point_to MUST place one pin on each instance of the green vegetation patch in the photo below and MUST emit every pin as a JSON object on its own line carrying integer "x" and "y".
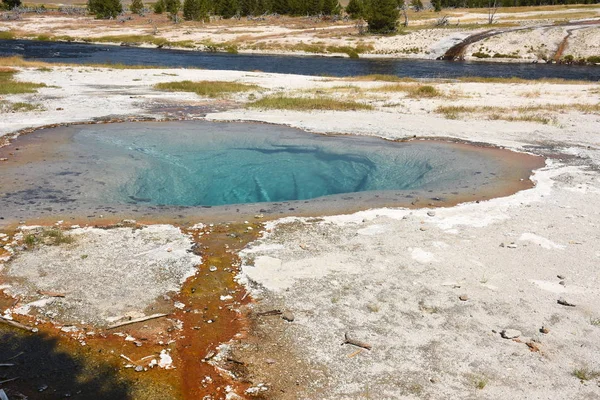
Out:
{"x": 206, "y": 88}
{"x": 280, "y": 102}
{"x": 49, "y": 237}
{"x": 9, "y": 86}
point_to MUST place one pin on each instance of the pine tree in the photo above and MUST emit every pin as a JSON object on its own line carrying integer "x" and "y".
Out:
{"x": 437, "y": 5}
{"x": 355, "y": 9}
{"x": 172, "y": 6}
{"x": 159, "y": 7}
{"x": 229, "y": 8}
{"x": 10, "y": 4}
{"x": 195, "y": 10}
{"x": 280, "y": 7}
{"x": 383, "y": 16}
{"x": 136, "y": 7}
{"x": 105, "y": 8}
{"x": 330, "y": 7}
{"x": 314, "y": 7}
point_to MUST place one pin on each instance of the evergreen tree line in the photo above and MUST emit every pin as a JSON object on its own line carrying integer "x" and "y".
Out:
{"x": 201, "y": 9}
{"x": 510, "y": 3}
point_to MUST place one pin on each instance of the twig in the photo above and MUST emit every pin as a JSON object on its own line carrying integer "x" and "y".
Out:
{"x": 136, "y": 320}
{"x": 269, "y": 313}
{"x": 8, "y": 380}
{"x": 17, "y": 355}
{"x": 15, "y": 324}
{"x": 50, "y": 294}
{"x": 564, "y": 302}
{"x": 357, "y": 343}
{"x": 7, "y": 365}
{"x": 357, "y": 352}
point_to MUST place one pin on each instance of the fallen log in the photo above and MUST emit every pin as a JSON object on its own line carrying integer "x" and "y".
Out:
{"x": 136, "y": 320}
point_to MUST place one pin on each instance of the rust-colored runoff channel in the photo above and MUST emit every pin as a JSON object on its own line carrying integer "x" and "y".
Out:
{"x": 93, "y": 363}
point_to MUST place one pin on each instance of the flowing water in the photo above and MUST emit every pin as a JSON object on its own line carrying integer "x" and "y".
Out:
{"x": 80, "y": 53}
{"x": 177, "y": 167}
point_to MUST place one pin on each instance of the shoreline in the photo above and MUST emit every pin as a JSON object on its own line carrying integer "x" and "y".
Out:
{"x": 365, "y": 56}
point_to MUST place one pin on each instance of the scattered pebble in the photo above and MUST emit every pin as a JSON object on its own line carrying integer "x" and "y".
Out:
{"x": 510, "y": 333}
{"x": 212, "y": 268}
{"x": 431, "y": 213}
{"x": 463, "y": 297}
{"x": 561, "y": 277}
{"x": 544, "y": 330}
{"x": 288, "y": 316}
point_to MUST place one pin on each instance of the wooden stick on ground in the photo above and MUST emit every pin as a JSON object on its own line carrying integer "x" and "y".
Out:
{"x": 8, "y": 380}
{"x": 136, "y": 320}
{"x": 16, "y": 324}
{"x": 357, "y": 343}
{"x": 269, "y": 313}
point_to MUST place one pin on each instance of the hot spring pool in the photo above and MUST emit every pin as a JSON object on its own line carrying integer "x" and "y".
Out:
{"x": 145, "y": 167}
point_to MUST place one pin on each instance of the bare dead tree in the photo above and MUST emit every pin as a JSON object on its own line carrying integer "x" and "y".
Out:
{"x": 492, "y": 10}
{"x": 405, "y": 14}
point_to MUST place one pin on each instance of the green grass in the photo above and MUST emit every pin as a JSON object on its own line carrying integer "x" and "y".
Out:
{"x": 595, "y": 321}
{"x": 206, "y": 88}
{"x": 556, "y": 81}
{"x": 280, "y": 102}
{"x": 50, "y": 237}
{"x": 412, "y": 91}
{"x": 585, "y": 374}
{"x": 6, "y": 106}
{"x": 6, "y": 35}
{"x": 381, "y": 78}
{"x": 541, "y": 113}
{"x": 9, "y": 86}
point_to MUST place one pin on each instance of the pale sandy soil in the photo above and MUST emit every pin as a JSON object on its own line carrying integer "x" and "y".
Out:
{"x": 393, "y": 277}
{"x": 292, "y": 35}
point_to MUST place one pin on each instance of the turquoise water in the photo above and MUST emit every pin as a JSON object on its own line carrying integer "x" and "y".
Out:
{"x": 153, "y": 168}
{"x": 212, "y": 164}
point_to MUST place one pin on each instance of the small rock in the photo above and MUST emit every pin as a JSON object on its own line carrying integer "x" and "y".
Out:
{"x": 544, "y": 330}
{"x": 561, "y": 277}
{"x": 564, "y": 302}
{"x": 431, "y": 213}
{"x": 303, "y": 246}
{"x": 463, "y": 297}
{"x": 288, "y": 316}
{"x": 510, "y": 333}
{"x": 512, "y": 246}
{"x": 42, "y": 388}
{"x": 139, "y": 368}
{"x": 562, "y": 283}
{"x": 3, "y": 159}
{"x": 270, "y": 361}
{"x": 212, "y": 268}
{"x": 423, "y": 228}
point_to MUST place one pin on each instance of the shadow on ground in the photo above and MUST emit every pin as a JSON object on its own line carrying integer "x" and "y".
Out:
{"x": 44, "y": 371}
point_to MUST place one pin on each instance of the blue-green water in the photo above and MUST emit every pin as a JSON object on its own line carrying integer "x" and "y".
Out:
{"x": 137, "y": 167}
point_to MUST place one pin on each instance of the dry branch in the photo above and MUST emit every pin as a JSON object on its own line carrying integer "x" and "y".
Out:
{"x": 16, "y": 324}
{"x": 136, "y": 320}
{"x": 357, "y": 343}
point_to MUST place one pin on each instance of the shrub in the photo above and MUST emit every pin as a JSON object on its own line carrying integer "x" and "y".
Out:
{"x": 105, "y": 8}
{"x": 355, "y": 9}
{"x": 10, "y": 4}
{"x": 159, "y": 7}
{"x": 594, "y": 60}
{"x": 383, "y": 16}
{"x": 137, "y": 7}
{"x": 481, "y": 54}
